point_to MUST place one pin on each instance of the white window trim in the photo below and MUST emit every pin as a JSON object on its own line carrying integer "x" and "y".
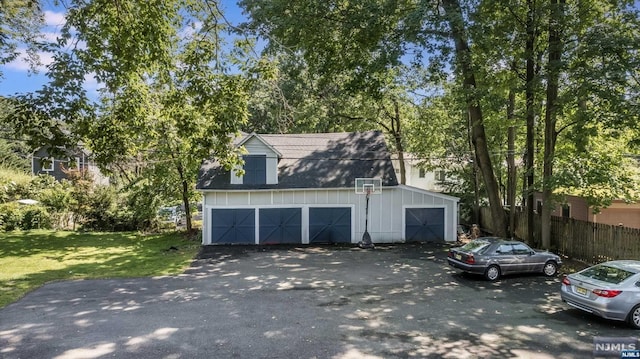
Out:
{"x": 51, "y": 166}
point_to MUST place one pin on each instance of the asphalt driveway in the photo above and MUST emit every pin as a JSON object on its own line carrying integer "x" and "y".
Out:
{"x": 398, "y": 301}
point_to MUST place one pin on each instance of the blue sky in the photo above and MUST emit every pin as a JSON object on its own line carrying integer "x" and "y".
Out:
{"x": 17, "y": 76}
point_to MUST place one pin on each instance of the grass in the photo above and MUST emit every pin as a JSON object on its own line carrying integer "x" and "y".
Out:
{"x": 31, "y": 259}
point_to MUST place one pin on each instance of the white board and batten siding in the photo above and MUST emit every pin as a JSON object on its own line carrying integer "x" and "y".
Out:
{"x": 386, "y": 210}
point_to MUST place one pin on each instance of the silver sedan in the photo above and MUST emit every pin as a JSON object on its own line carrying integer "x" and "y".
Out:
{"x": 610, "y": 290}
{"x": 493, "y": 257}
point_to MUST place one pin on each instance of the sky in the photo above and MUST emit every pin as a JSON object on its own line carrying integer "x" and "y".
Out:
{"x": 19, "y": 78}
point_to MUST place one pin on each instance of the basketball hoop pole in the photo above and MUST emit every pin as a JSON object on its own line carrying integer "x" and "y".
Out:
{"x": 366, "y": 237}
{"x": 367, "y": 186}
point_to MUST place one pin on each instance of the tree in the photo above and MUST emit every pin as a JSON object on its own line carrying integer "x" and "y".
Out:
{"x": 298, "y": 100}
{"x": 588, "y": 67}
{"x": 478, "y": 135}
{"x": 20, "y": 22}
{"x": 167, "y": 96}
{"x": 14, "y": 151}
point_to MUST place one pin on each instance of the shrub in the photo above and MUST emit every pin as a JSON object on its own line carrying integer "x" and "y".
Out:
{"x": 15, "y": 216}
{"x": 10, "y": 216}
{"x": 35, "y": 217}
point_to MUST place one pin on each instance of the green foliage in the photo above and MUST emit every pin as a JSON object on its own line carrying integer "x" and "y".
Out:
{"x": 172, "y": 95}
{"x": 600, "y": 170}
{"x": 12, "y": 157}
{"x": 78, "y": 201}
{"x": 169, "y": 97}
{"x": 15, "y": 153}
{"x": 10, "y": 216}
{"x": 14, "y": 185}
{"x": 16, "y": 216}
{"x": 35, "y": 217}
{"x": 109, "y": 210}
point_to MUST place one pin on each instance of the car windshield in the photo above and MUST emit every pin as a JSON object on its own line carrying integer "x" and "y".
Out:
{"x": 607, "y": 274}
{"x": 475, "y": 246}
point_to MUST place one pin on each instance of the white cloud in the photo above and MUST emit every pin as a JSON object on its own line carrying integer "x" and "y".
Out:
{"x": 21, "y": 63}
{"x": 55, "y": 19}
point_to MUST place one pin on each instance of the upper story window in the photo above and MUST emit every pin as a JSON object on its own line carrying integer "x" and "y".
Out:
{"x": 566, "y": 211}
{"x": 255, "y": 169}
{"x": 47, "y": 164}
{"x": 441, "y": 176}
{"x": 421, "y": 173}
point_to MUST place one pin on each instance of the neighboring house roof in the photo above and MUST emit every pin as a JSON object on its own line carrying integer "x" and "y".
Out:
{"x": 61, "y": 151}
{"x": 320, "y": 160}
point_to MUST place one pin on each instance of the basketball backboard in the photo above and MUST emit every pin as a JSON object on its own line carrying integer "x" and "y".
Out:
{"x": 368, "y": 185}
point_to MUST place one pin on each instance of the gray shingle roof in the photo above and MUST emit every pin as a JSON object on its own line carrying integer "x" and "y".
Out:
{"x": 320, "y": 160}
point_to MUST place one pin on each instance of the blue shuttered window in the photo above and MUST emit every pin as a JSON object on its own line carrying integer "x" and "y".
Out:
{"x": 255, "y": 169}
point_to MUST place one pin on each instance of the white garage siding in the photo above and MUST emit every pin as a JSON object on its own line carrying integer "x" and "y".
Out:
{"x": 386, "y": 210}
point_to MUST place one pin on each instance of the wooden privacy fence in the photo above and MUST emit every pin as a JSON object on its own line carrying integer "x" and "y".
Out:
{"x": 585, "y": 241}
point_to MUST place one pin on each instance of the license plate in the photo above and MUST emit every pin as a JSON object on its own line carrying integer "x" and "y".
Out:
{"x": 581, "y": 290}
{"x": 458, "y": 257}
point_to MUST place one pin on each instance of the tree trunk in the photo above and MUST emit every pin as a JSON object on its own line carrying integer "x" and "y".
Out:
{"x": 550, "y": 119}
{"x": 474, "y": 173}
{"x": 397, "y": 135}
{"x": 512, "y": 175}
{"x": 395, "y": 129}
{"x": 530, "y": 101}
{"x": 478, "y": 136}
{"x": 185, "y": 198}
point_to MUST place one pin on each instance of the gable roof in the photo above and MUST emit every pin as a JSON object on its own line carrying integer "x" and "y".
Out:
{"x": 261, "y": 139}
{"x": 319, "y": 160}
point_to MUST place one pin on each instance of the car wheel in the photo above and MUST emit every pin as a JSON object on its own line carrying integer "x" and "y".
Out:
{"x": 634, "y": 317}
{"x": 492, "y": 273}
{"x": 550, "y": 269}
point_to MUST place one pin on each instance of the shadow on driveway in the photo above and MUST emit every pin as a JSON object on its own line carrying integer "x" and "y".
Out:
{"x": 397, "y": 301}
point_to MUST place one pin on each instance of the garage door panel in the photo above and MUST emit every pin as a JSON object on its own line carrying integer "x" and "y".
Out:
{"x": 424, "y": 224}
{"x": 330, "y": 225}
{"x": 280, "y": 225}
{"x": 233, "y": 226}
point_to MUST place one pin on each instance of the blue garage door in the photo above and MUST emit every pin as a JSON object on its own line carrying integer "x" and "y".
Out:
{"x": 424, "y": 224}
{"x": 330, "y": 225}
{"x": 233, "y": 226}
{"x": 280, "y": 225}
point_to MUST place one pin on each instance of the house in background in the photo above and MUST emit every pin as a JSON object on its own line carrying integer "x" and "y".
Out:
{"x": 58, "y": 163}
{"x": 417, "y": 176}
{"x": 300, "y": 188}
{"x": 619, "y": 213}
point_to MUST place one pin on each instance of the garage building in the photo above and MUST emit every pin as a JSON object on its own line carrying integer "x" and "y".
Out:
{"x": 300, "y": 189}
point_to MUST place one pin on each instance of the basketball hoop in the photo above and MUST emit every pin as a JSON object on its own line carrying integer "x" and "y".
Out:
{"x": 367, "y": 186}
{"x": 370, "y": 185}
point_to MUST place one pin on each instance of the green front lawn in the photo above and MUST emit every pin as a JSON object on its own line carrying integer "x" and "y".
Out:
{"x": 30, "y": 259}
